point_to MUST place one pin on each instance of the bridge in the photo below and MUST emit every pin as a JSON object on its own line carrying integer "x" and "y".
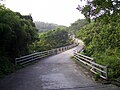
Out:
{"x": 56, "y": 72}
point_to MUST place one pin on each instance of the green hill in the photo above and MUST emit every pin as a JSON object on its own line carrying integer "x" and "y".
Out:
{"x": 43, "y": 27}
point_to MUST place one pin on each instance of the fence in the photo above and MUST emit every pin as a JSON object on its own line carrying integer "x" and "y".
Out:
{"x": 95, "y": 68}
{"x": 35, "y": 56}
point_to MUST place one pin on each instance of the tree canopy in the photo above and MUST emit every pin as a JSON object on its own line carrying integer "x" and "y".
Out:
{"x": 53, "y": 39}
{"x": 74, "y": 28}
{"x": 100, "y": 8}
{"x": 101, "y": 35}
{"x": 17, "y": 34}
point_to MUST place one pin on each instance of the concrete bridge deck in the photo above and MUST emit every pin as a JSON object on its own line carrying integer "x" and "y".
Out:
{"x": 57, "y": 72}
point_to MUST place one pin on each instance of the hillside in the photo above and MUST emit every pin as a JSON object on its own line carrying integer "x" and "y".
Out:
{"x": 43, "y": 27}
{"x": 75, "y": 27}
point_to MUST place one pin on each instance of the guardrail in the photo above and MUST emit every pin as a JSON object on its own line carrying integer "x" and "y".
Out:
{"x": 35, "y": 56}
{"x": 95, "y": 68}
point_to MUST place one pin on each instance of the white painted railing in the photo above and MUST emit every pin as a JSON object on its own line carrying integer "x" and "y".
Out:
{"x": 95, "y": 68}
{"x": 35, "y": 56}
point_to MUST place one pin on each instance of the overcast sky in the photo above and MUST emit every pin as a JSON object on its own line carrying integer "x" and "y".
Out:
{"x": 62, "y": 12}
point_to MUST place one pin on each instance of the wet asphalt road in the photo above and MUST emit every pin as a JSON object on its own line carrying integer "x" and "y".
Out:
{"x": 57, "y": 72}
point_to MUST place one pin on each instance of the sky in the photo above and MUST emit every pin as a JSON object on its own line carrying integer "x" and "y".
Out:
{"x": 61, "y": 12}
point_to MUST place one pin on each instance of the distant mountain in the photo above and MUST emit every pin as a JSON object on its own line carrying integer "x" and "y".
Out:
{"x": 43, "y": 27}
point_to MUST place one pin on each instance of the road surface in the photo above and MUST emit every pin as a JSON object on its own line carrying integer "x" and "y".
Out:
{"x": 57, "y": 72}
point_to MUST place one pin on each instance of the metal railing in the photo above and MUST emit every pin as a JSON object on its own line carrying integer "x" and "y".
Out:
{"x": 35, "y": 56}
{"x": 95, "y": 68}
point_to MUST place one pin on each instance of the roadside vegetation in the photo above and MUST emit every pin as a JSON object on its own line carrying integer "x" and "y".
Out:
{"x": 52, "y": 39}
{"x": 102, "y": 35}
{"x": 102, "y": 42}
{"x": 100, "y": 32}
{"x": 19, "y": 36}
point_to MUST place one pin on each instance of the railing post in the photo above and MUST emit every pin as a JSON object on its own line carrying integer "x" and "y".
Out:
{"x": 55, "y": 51}
{"x": 15, "y": 61}
{"x": 74, "y": 52}
{"x": 49, "y": 53}
{"x": 52, "y": 52}
{"x": 67, "y": 47}
{"x": 58, "y": 50}
{"x": 32, "y": 58}
{"x": 107, "y": 72}
{"x": 40, "y": 54}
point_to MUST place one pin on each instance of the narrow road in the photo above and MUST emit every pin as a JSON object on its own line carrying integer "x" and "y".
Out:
{"x": 57, "y": 72}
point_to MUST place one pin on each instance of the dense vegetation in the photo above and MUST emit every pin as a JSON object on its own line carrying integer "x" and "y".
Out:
{"x": 52, "y": 39}
{"x": 19, "y": 36}
{"x": 102, "y": 35}
{"x": 76, "y": 26}
{"x": 43, "y": 27}
{"x": 100, "y": 32}
{"x": 17, "y": 33}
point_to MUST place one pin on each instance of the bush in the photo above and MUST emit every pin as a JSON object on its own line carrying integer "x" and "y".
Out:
{"x": 6, "y": 66}
{"x": 102, "y": 43}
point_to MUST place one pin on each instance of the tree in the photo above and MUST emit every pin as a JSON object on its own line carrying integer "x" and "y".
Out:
{"x": 77, "y": 25}
{"x": 16, "y": 34}
{"x": 98, "y": 8}
{"x": 101, "y": 37}
{"x": 53, "y": 39}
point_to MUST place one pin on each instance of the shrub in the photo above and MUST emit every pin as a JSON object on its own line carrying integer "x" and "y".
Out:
{"x": 6, "y": 66}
